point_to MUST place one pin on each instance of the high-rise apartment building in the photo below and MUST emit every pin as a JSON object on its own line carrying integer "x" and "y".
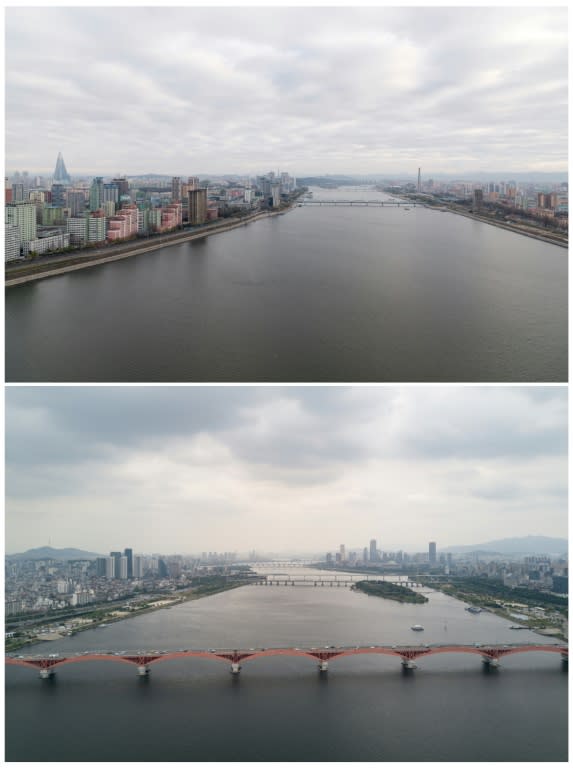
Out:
{"x": 176, "y": 189}
{"x": 197, "y": 206}
{"x": 110, "y": 567}
{"x": 123, "y": 567}
{"x": 137, "y": 567}
{"x": 17, "y": 193}
{"x": 23, "y": 215}
{"x": 11, "y": 242}
{"x": 129, "y": 555}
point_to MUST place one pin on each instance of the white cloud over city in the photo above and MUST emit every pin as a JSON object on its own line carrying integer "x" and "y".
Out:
{"x": 282, "y": 469}
{"x": 309, "y": 90}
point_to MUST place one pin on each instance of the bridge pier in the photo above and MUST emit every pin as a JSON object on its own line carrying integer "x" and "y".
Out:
{"x": 143, "y": 670}
{"x": 409, "y": 664}
{"x": 46, "y": 673}
{"x": 235, "y": 668}
{"x": 565, "y": 658}
{"x": 323, "y": 666}
{"x": 491, "y": 662}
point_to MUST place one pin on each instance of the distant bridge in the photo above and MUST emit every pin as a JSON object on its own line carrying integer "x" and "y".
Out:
{"x": 362, "y": 203}
{"x": 285, "y": 580}
{"x": 490, "y": 654}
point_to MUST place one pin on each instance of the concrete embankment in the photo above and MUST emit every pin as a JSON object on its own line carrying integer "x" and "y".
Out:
{"x": 137, "y": 249}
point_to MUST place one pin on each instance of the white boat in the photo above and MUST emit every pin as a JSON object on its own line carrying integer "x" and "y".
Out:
{"x": 418, "y": 628}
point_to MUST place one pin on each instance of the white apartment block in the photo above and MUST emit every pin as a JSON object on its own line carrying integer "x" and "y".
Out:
{"x": 11, "y": 242}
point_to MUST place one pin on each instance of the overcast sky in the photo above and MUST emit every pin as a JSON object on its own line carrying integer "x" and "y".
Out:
{"x": 188, "y": 469}
{"x": 307, "y": 90}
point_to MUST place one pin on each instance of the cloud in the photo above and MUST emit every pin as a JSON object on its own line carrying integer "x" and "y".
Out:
{"x": 282, "y": 467}
{"x": 178, "y": 90}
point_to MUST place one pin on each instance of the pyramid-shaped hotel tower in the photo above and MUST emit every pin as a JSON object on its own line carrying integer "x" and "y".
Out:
{"x": 61, "y": 175}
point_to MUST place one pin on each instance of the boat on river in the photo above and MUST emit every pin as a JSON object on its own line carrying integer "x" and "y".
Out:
{"x": 418, "y": 628}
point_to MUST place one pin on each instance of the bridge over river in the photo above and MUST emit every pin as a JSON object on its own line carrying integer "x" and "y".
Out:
{"x": 286, "y": 580}
{"x": 142, "y": 660}
{"x": 362, "y": 203}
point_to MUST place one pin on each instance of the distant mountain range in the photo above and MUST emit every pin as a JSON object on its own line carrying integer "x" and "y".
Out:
{"x": 45, "y": 553}
{"x": 526, "y": 545}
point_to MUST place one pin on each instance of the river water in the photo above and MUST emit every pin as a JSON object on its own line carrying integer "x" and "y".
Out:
{"x": 316, "y": 294}
{"x": 452, "y": 708}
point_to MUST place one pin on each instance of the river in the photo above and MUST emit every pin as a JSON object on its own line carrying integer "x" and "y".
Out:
{"x": 317, "y": 294}
{"x": 452, "y": 708}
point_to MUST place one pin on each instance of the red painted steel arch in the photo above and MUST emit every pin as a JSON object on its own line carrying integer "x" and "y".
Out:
{"x": 409, "y": 653}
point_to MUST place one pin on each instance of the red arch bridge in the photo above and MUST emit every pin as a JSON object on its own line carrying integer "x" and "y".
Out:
{"x": 408, "y": 654}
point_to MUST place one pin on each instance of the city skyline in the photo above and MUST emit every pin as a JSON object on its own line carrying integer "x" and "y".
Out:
{"x": 275, "y": 469}
{"x": 456, "y": 89}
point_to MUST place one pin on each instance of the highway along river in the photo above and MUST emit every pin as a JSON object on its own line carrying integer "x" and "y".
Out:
{"x": 317, "y": 294}
{"x": 451, "y": 708}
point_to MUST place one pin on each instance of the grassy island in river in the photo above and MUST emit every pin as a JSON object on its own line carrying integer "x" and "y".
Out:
{"x": 390, "y": 591}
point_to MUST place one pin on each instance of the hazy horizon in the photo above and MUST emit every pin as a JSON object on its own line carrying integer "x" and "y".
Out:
{"x": 307, "y": 90}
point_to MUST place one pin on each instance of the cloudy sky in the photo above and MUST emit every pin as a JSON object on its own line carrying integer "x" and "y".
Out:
{"x": 187, "y": 469}
{"x": 308, "y": 90}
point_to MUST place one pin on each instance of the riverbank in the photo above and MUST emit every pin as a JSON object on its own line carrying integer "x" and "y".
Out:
{"x": 104, "y": 617}
{"x": 523, "y": 613}
{"x": 546, "y": 238}
{"x": 62, "y": 266}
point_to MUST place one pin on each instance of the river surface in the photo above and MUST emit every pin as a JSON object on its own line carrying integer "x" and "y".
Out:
{"x": 365, "y": 708}
{"x": 317, "y": 294}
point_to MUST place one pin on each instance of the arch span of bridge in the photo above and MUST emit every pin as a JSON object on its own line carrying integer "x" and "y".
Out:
{"x": 408, "y": 654}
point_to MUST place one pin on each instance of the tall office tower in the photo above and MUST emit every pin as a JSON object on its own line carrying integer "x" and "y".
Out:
{"x": 365, "y": 555}
{"x": 17, "y": 193}
{"x": 432, "y": 552}
{"x": 342, "y": 553}
{"x": 419, "y": 179}
{"x": 176, "y": 189}
{"x": 110, "y": 567}
{"x": 59, "y": 195}
{"x": 23, "y": 215}
{"x": 193, "y": 182}
{"x": 197, "y": 206}
{"x": 373, "y": 551}
{"x": 96, "y": 193}
{"x": 129, "y": 555}
{"x": 11, "y": 242}
{"x": 61, "y": 175}
{"x": 478, "y": 199}
{"x": 122, "y": 185}
{"x": 76, "y": 202}
{"x": 101, "y": 566}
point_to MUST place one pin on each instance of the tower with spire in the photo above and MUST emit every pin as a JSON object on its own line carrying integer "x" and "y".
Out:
{"x": 61, "y": 175}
